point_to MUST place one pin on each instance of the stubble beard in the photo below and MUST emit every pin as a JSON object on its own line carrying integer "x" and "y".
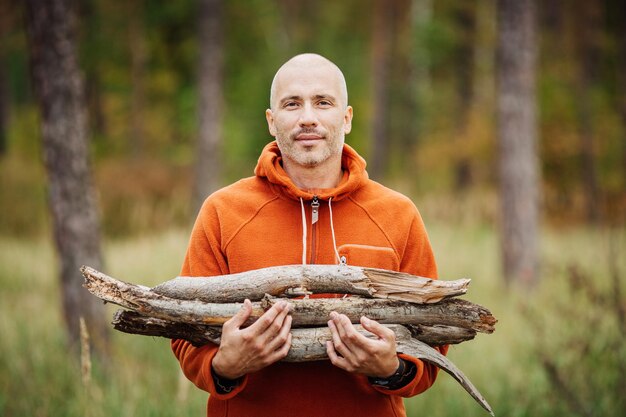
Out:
{"x": 310, "y": 156}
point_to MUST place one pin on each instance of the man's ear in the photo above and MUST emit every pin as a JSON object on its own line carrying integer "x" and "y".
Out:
{"x": 347, "y": 120}
{"x": 269, "y": 116}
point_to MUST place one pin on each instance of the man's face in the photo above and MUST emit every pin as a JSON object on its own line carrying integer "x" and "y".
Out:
{"x": 309, "y": 117}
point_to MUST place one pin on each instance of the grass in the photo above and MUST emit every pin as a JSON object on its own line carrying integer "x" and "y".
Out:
{"x": 38, "y": 377}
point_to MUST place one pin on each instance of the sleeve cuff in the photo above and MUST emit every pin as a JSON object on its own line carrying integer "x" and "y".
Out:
{"x": 216, "y": 384}
{"x": 407, "y": 385}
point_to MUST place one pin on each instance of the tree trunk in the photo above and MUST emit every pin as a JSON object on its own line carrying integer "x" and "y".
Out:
{"x": 91, "y": 27}
{"x": 517, "y": 132}
{"x": 589, "y": 21}
{"x": 4, "y": 104}
{"x": 6, "y": 13}
{"x": 59, "y": 88}
{"x": 210, "y": 80}
{"x": 138, "y": 62}
{"x": 621, "y": 74}
{"x": 382, "y": 34}
{"x": 465, "y": 18}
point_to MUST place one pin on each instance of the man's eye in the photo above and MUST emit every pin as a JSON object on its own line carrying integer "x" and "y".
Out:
{"x": 291, "y": 104}
{"x": 324, "y": 103}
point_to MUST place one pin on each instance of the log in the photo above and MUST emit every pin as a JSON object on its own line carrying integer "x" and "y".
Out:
{"x": 200, "y": 334}
{"x": 302, "y": 280}
{"x": 308, "y": 344}
{"x": 305, "y": 312}
{"x": 186, "y": 308}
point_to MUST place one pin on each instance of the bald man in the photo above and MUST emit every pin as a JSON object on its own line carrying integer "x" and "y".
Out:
{"x": 310, "y": 201}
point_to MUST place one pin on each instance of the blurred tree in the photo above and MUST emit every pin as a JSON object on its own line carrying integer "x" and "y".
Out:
{"x": 588, "y": 21}
{"x": 138, "y": 62}
{"x": 621, "y": 73}
{"x": 59, "y": 89}
{"x": 465, "y": 19}
{"x": 4, "y": 82}
{"x": 382, "y": 36}
{"x": 90, "y": 34}
{"x": 517, "y": 133}
{"x": 211, "y": 101}
{"x": 405, "y": 111}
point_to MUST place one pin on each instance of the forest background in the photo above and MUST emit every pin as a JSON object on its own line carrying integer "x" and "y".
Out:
{"x": 422, "y": 79}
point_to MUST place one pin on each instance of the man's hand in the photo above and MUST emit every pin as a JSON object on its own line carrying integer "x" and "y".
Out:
{"x": 353, "y": 352}
{"x": 247, "y": 350}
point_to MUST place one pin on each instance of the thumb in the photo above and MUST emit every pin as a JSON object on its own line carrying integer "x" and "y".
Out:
{"x": 377, "y": 328}
{"x": 242, "y": 315}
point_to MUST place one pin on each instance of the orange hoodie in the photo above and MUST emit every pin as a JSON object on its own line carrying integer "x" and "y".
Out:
{"x": 258, "y": 222}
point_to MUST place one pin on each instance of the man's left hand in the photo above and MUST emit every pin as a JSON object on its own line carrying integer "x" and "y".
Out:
{"x": 353, "y": 352}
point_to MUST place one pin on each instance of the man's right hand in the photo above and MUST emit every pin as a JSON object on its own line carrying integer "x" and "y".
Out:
{"x": 261, "y": 344}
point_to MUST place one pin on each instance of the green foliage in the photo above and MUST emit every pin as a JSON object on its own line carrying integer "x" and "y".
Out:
{"x": 141, "y": 377}
{"x": 258, "y": 37}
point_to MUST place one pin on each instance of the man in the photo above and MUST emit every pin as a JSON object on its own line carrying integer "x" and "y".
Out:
{"x": 310, "y": 201}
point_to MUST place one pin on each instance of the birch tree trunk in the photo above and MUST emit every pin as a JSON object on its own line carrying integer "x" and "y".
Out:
{"x": 210, "y": 103}
{"x": 59, "y": 89}
{"x": 517, "y": 134}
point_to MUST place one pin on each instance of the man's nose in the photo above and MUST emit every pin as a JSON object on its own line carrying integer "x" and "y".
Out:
{"x": 308, "y": 117}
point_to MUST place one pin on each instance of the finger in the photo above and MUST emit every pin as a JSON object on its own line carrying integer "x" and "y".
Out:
{"x": 242, "y": 315}
{"x": 266, "y": 320}
{"x": 281, "y": 338}
{"x": 283, "y": 351}
{"x": 338, "y": 343}
{"x": 348, "y": 333}
{"x": 378, "y": 329}
{"x": 335, "y": 359}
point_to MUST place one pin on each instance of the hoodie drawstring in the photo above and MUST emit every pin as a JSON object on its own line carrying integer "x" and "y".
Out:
{"x": 340, "y": 259}
{"x": 303, "y": 232}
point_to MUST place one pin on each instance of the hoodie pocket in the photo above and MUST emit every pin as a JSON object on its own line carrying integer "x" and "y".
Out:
{"x": 370, "y": 256}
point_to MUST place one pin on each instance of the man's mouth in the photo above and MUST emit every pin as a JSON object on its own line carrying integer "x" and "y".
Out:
{"x": 308, "y": 137}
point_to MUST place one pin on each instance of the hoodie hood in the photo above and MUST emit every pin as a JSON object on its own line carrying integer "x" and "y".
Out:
{"x": 270, "y": 166}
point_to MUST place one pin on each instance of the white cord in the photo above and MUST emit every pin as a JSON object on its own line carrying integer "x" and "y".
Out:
{"x": 303, "y": 232}
{"x": 332, "y": 230}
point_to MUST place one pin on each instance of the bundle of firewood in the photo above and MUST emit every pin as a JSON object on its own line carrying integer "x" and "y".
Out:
{"x": 421, "y": 311}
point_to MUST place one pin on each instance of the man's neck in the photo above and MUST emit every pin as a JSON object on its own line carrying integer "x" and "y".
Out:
{"x": 327, "y": 175}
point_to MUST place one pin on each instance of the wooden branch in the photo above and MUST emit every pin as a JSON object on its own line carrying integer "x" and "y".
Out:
{"x": 308, "y": 344}
{"x": 186, "y": 307}
{"x": 200, "y": 334}
{"x": 305, "y": 312}
{"x": 297, "y": 280}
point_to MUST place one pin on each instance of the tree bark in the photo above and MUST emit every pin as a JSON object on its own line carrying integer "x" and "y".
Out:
{"x": 517, "y": 132}
{"x": 211, "y": 102}
{"x": 155, "y": 313}
{"x": 59, "y": 88}
{"x": 302, "y": 280}
{"x": 308, "y": 344}
{"x": 305, "y": 312}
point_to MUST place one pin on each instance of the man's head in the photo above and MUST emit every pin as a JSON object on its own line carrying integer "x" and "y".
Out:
{"x": 309, "y": 113}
